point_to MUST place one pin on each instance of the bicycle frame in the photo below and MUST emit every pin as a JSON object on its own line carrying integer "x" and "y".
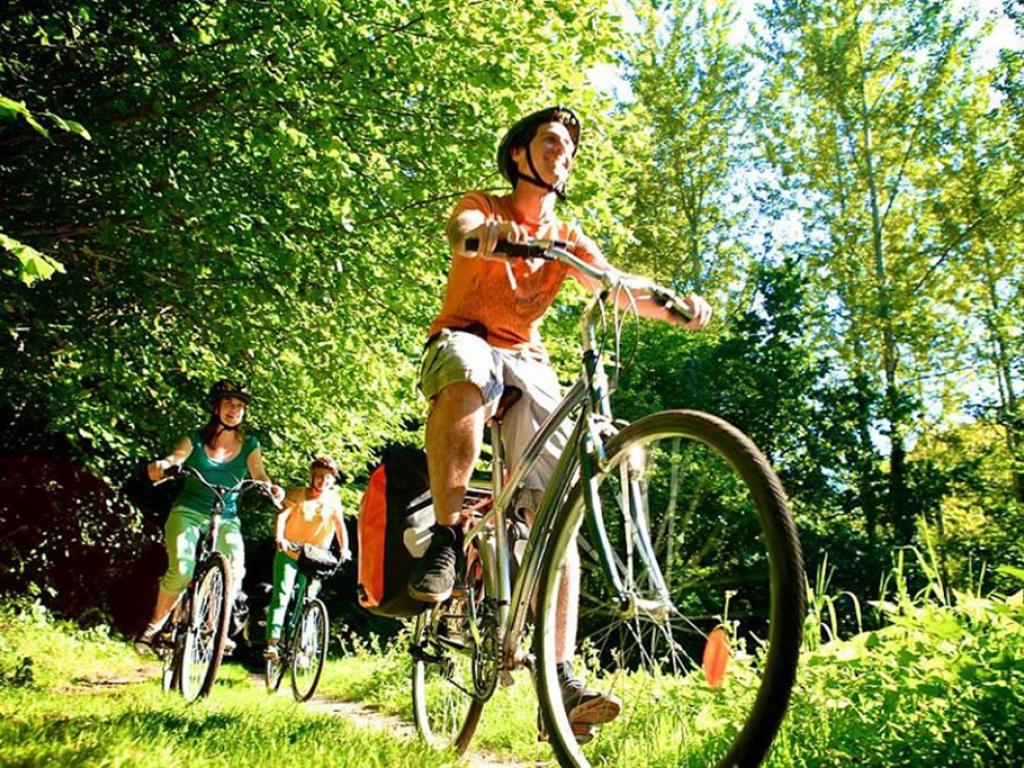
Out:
{"x": 584, "y": 458}
{"x": 208, "y": 543}
{"x": 304, "y": 585}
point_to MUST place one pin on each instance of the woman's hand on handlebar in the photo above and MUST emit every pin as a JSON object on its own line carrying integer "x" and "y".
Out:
{"x": 275, "y": 492}
{"x": 162, "y": 469}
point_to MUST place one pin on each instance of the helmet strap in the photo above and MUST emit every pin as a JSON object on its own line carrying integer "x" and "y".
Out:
{"x": 221, "y": 426}
{"x": 536, "y": 179}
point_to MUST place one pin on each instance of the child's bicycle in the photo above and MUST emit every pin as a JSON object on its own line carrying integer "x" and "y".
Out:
{"x": 192, "y": 642}
{"x": 656, "y": 511}
{"x": 305, "y": 632}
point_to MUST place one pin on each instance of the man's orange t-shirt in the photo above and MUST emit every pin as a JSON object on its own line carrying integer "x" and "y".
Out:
{"x": 310, "y": 521}
{"x": 479, "y": 291}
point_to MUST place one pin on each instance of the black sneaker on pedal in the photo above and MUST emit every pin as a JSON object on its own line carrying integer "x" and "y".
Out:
{"x": 433, "y": 575}
{"x": 585, "y": 707}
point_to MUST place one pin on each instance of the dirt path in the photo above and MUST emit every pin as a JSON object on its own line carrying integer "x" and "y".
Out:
{"x": 93, "y": 683}
{"x": 372, "y": 719}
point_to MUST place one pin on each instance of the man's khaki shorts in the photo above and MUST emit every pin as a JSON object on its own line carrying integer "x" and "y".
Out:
{"x": 456, "y": 356}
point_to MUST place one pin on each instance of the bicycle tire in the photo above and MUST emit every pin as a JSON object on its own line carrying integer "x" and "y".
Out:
{"x": 171, "y": 672}
{"x": 637, "y": 459}
{"x": 207, "y": 627}
{"x": 445, "y": 715}
{"x": 309, "y": 649}
{"x": 273, "y": 672}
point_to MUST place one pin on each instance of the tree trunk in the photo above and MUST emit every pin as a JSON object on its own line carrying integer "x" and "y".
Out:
{"x": 897, "y": 453}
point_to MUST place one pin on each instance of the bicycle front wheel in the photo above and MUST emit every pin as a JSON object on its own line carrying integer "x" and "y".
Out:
{"x": 309, "y": 649}
{"x": 691, "y": 600}
{"x": 207, "y": 628}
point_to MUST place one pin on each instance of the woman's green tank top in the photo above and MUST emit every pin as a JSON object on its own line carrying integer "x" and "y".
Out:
{"x": 197, "y": 497}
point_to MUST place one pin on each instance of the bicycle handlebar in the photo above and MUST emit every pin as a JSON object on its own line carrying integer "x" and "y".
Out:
{"x": 221, "y": 491}
{"x": 294, "y": 546}
{"x": 559, "y": 250}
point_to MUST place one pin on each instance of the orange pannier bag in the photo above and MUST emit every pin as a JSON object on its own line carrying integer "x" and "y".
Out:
{"x": 395, "y": 516}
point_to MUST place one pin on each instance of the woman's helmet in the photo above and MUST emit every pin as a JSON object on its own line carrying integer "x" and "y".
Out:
{"x": 324, "y": 462}
{"x": 227, "y": 388}
{"x": 522, "y": 133}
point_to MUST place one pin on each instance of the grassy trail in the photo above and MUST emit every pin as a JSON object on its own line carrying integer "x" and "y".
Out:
{"x": 73, "y": 698}
{"x": 940, "y": 685}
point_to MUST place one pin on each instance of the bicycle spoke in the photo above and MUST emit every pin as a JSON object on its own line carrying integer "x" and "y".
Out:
{"x": 199, "y": 660}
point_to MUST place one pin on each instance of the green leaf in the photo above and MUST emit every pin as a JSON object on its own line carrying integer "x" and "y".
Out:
{"x": 70, "y": 126}
{"x": 33, "y": 264}
{"x": 11, "y": 107}
{"x": 1012, "y": 571}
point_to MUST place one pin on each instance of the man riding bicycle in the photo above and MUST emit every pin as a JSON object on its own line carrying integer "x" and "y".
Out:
{"x": 487, "y": 337}
{"x": 223, "y": 454}
{"x": 310, "y": 516}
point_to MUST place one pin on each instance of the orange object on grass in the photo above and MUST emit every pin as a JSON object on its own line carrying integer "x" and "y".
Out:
{"x": 716, "y": 657}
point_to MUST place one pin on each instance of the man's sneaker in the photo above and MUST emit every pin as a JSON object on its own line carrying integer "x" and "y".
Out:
{"x": 584, "y": 733}
{"x": 229, "y": 646}
{"x": 583, "y": 705}
{"x": 271, "y": 653}
{"x": 433, "y": 576}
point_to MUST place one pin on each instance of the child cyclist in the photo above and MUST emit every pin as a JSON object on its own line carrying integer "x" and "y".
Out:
{"x": 310, "y": 516}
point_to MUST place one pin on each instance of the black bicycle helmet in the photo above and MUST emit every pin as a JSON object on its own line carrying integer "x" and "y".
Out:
{"x": 227, "y": 388}
{"x": 522, "y": 133}
{"x": 324, "y": 462}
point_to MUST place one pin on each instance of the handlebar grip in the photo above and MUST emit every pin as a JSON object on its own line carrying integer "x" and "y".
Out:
{"x": 672, "y": 303}
{"x": 173, "y": 472}
{"x": 519, "y": 250}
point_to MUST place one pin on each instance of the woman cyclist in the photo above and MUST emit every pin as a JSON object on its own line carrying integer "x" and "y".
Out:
{"x": 223, "y": 453}
{"x": 311, "y": 516}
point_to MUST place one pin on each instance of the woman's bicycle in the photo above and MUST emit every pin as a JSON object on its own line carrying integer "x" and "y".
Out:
{"x": 690, "y": 564}
{"x": 305, "y": 632}
{"x": 192, "y": 642}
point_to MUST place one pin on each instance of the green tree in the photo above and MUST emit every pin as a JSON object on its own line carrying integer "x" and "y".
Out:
{"x": 265, "y": 196}
{"x": 32, "y": 265}
{"x": 855, "y": 104}
{"x": 690, "y": 84}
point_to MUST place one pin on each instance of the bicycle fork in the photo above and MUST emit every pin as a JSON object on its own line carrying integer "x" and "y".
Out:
{"x": 637, "y": 538}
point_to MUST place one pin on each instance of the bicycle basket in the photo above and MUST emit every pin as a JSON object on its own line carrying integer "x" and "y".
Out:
{"x": 317, "y": 562}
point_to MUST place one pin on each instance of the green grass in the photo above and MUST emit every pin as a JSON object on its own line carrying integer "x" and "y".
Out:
{"x": 941, "y": 685}
{"x": 381, "y": 678}
{"x": 57, "y": 714}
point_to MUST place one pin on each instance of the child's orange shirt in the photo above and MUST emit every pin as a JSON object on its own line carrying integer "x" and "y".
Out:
{"x": 311, "y": 521}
